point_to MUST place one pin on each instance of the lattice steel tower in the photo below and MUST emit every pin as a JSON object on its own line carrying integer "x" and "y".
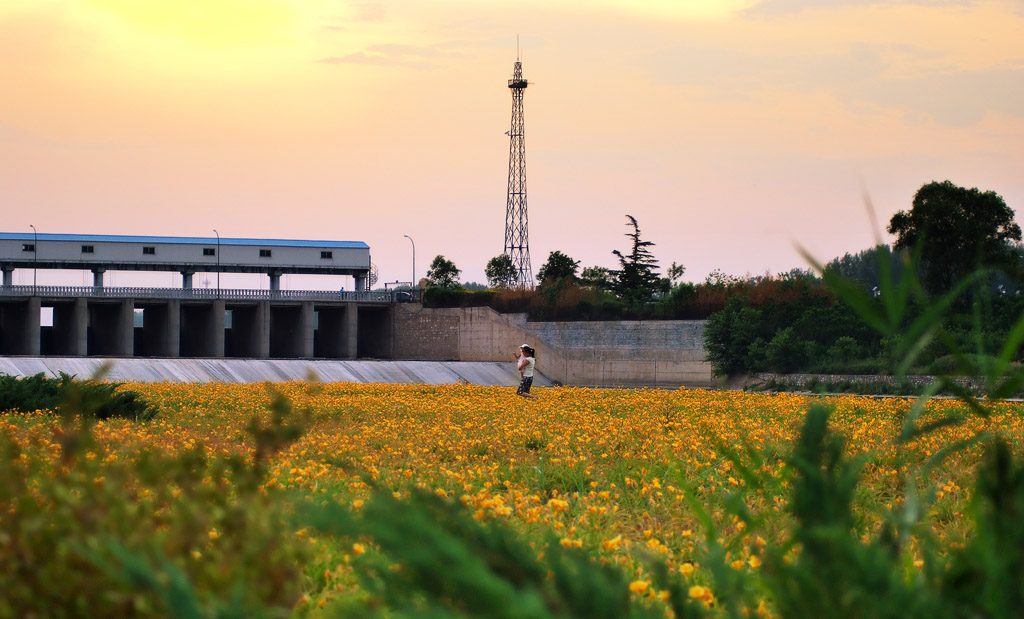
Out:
{"x": 517, "y": 238}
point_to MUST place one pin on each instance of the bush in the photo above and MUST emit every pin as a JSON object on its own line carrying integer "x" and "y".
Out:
{"x": 787, "y": 352}
{"x": 680, "y": 303}
{"x": 439, "y": 296}
{"x": 93, "y": 398}
{"x": 844, "y": 349}
{"x": 612, "y": 309}
{"x": 728, "y": 335}
{"x": 28, "y": 394}
{"x": 805, "y": 324}
{"x": 757, "y": 354}
{"x": 569, "y": 299}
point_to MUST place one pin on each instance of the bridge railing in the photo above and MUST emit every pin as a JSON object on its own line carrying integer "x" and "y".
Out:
{"x": 227, "y": 294}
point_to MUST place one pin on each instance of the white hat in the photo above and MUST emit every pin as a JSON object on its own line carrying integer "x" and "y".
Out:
{"x": 525, "y": 346}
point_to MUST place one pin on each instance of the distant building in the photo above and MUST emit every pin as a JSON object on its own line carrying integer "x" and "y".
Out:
{"x": 186, "y": 255}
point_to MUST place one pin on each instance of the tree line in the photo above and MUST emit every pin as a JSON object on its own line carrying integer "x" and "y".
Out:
{"x": 564, "y": 291}
{"x": 636, "y": 279}
{"x": 789, "y": 322}
{"x": 954, "y": 244}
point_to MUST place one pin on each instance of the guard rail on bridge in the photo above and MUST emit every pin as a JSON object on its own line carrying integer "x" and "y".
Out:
{"x": 388, "y": 296}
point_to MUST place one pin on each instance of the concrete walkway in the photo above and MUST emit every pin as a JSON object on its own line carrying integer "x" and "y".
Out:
{"x": 273, "y": 370}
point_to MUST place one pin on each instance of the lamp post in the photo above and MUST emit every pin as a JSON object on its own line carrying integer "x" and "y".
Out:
{"x": 413, "y": 283}
{"x": 35, "y": 256}
{"x": 218, "y": 261}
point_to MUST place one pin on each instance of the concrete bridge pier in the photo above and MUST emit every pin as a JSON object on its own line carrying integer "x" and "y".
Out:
{"x": 71, "y": 328}
{"x": 250, "y": 330}
{"x": 19, "y": 327}
{"x": 307, "y": 326}
{"x": 350, "y": 339}
{"x": 8, "y": 276}
{"x": 97, "y": 277}
{"x": 113, "y": 328}
{"x": 186, "y": 278}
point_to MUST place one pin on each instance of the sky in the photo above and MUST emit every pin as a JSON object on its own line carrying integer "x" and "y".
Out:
{"x": 734, "y": 131}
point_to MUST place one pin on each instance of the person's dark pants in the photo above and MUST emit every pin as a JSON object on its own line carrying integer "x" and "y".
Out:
{"x": 524, "y": 386}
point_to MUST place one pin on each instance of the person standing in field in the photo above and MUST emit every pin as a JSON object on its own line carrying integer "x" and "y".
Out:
{"x": 527, "y": 358}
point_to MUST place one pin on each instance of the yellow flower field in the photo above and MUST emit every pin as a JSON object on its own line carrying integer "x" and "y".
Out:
{"x": 612, "y": 471}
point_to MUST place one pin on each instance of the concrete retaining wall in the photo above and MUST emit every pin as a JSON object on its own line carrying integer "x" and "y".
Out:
{"x": 661, "y": 353}
{"x": 803, "y": 381}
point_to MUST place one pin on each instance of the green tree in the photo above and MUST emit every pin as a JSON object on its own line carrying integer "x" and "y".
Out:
{"x": 729, "y": 335}
{"x": 443, "y": 273}
{"x": 957, "y": 230}
{"x": 675, "y": 273}
{"x": 557, "y": 268}
{"x": 500, "y": 272}
{"x": 596, "y": 277}
{"x": 720, "y": 279}
{"x": 787, "y": 352}
{"x": 636, "y": 279}
{"x": 865, "y": 267}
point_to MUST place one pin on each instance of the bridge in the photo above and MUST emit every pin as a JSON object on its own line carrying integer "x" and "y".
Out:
{"x": 190, "y": 322}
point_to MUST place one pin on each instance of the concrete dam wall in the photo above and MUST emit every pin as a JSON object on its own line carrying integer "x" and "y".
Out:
{"x": 655, "y": 353}
{"x": 396, "y": 336}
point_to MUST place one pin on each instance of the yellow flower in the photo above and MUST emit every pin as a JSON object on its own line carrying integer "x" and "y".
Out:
{"x": 612, "y": 544}
{"x": 639, "y": 586}
{"x": 686, "y": 569}
{"x": 558, "y": 505}
{"x": 358, "y": 548}
{"x": 754, "y": 562}
{"x": 703, "y": 594}
{"x": 214, "y": 533}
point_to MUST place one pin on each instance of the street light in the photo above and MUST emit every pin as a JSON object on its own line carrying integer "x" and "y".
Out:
{"x": 218, "y": 261}
{"x": 413, "y": 283}
{"x": 35, "y": 257}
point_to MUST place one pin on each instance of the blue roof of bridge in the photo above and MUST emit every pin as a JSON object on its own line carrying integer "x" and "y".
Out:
{"x": 188, "y": 240}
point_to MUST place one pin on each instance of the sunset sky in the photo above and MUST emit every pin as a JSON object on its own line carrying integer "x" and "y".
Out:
{"x": 733, "y": 130}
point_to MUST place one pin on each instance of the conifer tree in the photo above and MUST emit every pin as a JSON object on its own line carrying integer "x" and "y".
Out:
{"x": 636, "y": 280}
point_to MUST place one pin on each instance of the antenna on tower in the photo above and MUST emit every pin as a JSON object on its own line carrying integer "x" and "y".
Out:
{"x": 517, "y": 244}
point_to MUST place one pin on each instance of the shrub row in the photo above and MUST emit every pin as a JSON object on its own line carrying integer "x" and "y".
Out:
{"x": 571, "y": 300}
{"x": 97, "y": 399}
{"x": 815, "y": 334}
